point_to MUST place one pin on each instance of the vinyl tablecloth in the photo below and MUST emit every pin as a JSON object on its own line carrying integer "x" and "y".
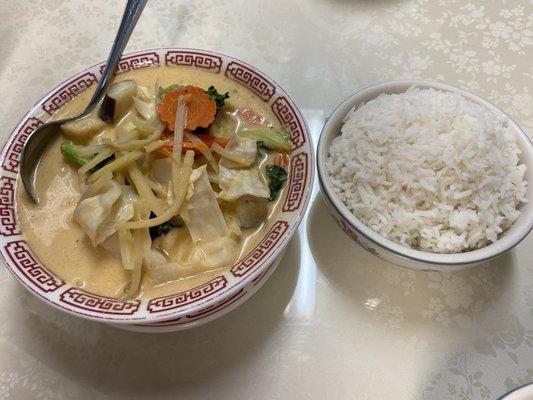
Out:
{"x": 333, "y": 321}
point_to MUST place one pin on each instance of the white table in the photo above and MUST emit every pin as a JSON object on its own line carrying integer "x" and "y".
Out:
{"x": 333, "y": 321}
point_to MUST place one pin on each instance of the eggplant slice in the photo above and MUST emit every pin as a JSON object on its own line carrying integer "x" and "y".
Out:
{"x": 117, "y": 101}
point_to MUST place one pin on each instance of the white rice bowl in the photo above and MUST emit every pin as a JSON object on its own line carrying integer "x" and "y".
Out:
{"x": 429, "y": 169}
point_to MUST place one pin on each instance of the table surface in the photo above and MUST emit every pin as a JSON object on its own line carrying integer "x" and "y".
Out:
{"x": 333, "y": 321}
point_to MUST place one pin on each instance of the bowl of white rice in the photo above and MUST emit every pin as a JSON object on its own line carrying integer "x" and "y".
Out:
{"x": 426, "y": 176}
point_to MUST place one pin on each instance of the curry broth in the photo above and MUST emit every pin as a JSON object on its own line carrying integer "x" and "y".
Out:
{"x": 60, "y": 243}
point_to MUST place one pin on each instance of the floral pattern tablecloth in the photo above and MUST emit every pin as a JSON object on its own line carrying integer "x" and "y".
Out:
{"x": 333, "y": 320}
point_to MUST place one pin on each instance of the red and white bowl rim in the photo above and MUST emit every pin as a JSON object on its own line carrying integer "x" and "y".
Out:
{"x": 34, "y": 276}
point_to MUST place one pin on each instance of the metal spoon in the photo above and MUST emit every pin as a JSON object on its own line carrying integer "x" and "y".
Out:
{"x": 37, "y": 141}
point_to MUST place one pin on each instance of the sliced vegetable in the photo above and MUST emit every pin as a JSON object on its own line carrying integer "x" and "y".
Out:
{"x": 91, "y": 212}
{"x": 141, "y": 242}
{"x": 112, "y": 245}
{"x": 176, "y": 244}
{"x": 122, "y": 211}
{"x": 237, "y": 182}
{"x": 101, "y": 164}
{"x": 175, "y": 207}
{"x": 144, "y": 126}
{"x": 135, "y": 138}
{"x": 217, "y": 252}
{"x": 244, "y": 148}
{"x": 117, "y": 100}
{"x": 83, "y": 129}
{"x": 158, "y": 189}
{"x": 95, "y": 161}
{"x": 155, "y": 145}
{"x": 201, "y": 109}
{"x": 161, "y": 169}
{"x": 146, "y": 109}
{"x": 140, "y": 181}
{"x": 126, "y": 128}
{"x": 96, "y": 187}
{"x": 205, "y": 150}
{"x": 202, "y": 213}
{"x": 144, "y": 93}
{"x": 151, "y": 257}
{"x": 234, "y": 157}
{"x": 206, "y": 141}
{"x": 162, "y": 91}
{"x": 117, "y": 164}
{"x": 198, "y": 257}
{"x": 125, "y": 240}
{"x": 251, "y": 211}
{"x": 219, "y": 99}
{"x": 274, "y": 140}
{"x": 72, "y": 153}
{"x": 179, "y": 129}
{"x": 277, "y": 177}
{"x": 225, "y": 124}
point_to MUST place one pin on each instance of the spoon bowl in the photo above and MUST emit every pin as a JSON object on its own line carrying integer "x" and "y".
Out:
{"x": 38, "y": 139}
{"x": 34, "y": 147}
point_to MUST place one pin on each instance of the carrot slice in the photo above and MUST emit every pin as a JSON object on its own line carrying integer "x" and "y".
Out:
{"x": 201, "y": 109}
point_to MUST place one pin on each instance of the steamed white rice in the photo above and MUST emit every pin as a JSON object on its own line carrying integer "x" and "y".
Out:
{"x": 429, "y": 169}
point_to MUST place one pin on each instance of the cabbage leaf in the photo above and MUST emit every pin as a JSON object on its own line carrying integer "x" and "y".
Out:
{"x": 235, "y": 183}
{"x": 244, "y": 148}
{"x": 201, "y": 212}
{"x": 91, "y": 212}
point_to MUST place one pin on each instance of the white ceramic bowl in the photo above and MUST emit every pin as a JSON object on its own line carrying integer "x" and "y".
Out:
{"x": 197, "y": 305}
{"x": 392, "y": 251}
{"x": 520, "y": 393}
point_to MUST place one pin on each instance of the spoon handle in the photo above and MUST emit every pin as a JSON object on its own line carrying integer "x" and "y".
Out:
{"x": 131, "y": 15}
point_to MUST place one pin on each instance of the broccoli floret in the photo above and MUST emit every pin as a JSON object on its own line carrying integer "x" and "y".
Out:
{"x": 71, "y": 152}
